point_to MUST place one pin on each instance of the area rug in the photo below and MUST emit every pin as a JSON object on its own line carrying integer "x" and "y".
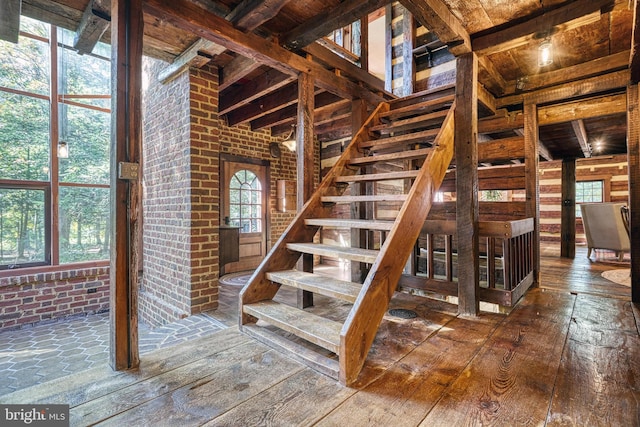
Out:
{"x": 621, "y": 277}
{"x": 236, "y": 279}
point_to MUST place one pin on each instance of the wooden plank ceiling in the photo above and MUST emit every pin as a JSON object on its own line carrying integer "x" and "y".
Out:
{"x": 590, "y": 38}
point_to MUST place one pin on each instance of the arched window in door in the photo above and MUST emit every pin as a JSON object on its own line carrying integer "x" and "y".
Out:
{"x": 245, "y": 202}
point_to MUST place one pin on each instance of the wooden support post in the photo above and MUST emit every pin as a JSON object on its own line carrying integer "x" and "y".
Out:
{"x": 364, "y": 43}
{"x": 10, "y": 20}
{"x": 305, "y": 166}
{"x": 466, "y": 152}
{"x": 126, "y": 78}
{"x": 633, "y": 157}
{"x": 532, "y": 189}
{"x": 358, "y": 209}
{"x": 568, "y": 216}
{"x": 388, "y": 48}
{"x": 408, "y": 43}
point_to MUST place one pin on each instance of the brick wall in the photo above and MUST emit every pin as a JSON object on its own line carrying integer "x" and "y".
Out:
{"x": 165, "y": 286}
{"x": 28, "y": 299}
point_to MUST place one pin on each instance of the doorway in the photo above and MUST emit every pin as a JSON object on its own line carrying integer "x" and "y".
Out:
{"x": 244, "y": 200}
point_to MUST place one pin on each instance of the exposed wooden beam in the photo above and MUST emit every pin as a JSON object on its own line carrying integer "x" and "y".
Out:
{"x": 286, "y": 116}
{"x": 543, "y": 151}
{"x": 516, "y": 35}
{"x": 364, "y": 43}
{"x": 238, "y": 68}
{"x": 486, "y": 99}
{"x": 126, "y": 147}
{"x": 436, "y": 16}
{"x": 615, "y": 80}
{"x": 583, "y": 138}
{"x": 499, "y": 83}
{"x": 95, "y": 21}
{"x": 10, "y": 20}
{"x": 568, "y": 210}
{"x": 338, "y": 111}
{"x": 606, "y": 64}
{"x": 325, "y": 56}
{"x": 194, "y": 56}
{"x": 250, "y": 14}
{"x": 408, "y": 63}
{"x": 582, "y": 109}
{"x": 634, "y": 57}
{"x": 531, "y": 176}
{"x": 322, "y": 24}
{"x": 268, "y": 82}
{"x": 388, "y": 48}
{"x": 184, "y": 14}
{"x": 281, "y": 98}
{"x": 340, "y": 124}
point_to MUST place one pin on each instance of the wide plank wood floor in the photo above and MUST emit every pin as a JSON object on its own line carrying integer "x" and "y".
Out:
{"x": 567, "y": 355}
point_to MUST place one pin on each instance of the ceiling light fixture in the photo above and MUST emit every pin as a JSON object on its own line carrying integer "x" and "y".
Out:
{"x": 545, "y": 53}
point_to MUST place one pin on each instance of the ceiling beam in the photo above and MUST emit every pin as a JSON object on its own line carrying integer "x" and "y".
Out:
{"x": 486, "y": 99}
{"x": 250, "y": 14}
{"x": 265, "y": 83}
{"x": 322, "y": 24}
{"x": 281, "y": 98}
{"x": 514, "y": 35}
{"x": 437, "y": 18}
{"x": 634, "y": 57}
{"x": 606, "y": 64}
{"x": 499, "y": 83}
{"x": 184, "y": 14}
{"x": 196, "y": 55}
{"x": 583, "y": 109}
{"x": 95, "y": 21}
{"x": 239, "y": 67}
{"x": 583, "y": 139}
{"x": 10, "y": 20}
{"x": 287, "y": 116}
{"x": 615, "y": 80}
{"x": 543, "y": 151}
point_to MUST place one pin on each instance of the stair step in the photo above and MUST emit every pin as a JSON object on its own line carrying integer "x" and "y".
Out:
{"x": 402, "y": 155}
{"x": 366, "y": 198}
{"x": 433, "y": 93}
{"x": 400, "y": 141}
{"x": 294, "y": 350}
{"x": 313, "y": 328}
{"x": 379, "y": 176}
{"x": 323, "y": 285}
{"x": 421, "y": 107}
{"x": 429, "y": 119}
{"x": 362, "y": 224}
{"x": 354, "y": 254}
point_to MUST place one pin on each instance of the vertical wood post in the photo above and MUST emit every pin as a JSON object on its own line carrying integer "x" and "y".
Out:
{"x": 358, "y": 209}
{"x": 408, "y": 42}
{"x": 466, "y": 152}
{"x": 388, "y": 48}
{"x": 305, "y": 164}
{"x": 532, "y": 190}
{"x": 364, "y": 43}
{"x": 633, "y": 158}
{"x": 54, "y": 137}
{"x": 126, "y": 84}
{"x": 568, "y": 216}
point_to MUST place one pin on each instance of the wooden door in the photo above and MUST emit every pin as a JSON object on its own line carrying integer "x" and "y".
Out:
{"x": 245, "y": 191}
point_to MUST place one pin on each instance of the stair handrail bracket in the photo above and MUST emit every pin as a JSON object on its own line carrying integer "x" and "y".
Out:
{"x": 258, "y": 287}
{"x": 361, "y": 326}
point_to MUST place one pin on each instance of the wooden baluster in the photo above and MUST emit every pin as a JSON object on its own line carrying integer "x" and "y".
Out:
{"x": 491, "y": 262}
{"x": 448, "y": 253}
{"x": 430, "y": 260}
{"x": 506, "y": 263}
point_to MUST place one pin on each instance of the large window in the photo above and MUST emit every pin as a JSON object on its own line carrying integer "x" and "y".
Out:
{"x": 54, "y": 208}
{"x": 589, "y": 192}
{"x": 245, "y": 202}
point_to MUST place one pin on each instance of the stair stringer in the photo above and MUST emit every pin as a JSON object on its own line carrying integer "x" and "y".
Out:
{"x": 361, "y": 326}
{"x": 279, "y": 258}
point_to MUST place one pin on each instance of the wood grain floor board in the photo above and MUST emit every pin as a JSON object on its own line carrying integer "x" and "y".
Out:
{"x": 599, "y": 378}
{"x": 407, "y": 390}
{"x": 510, "y": 381}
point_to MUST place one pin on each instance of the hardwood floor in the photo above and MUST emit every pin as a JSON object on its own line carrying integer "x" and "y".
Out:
{"x": 568, "y": 354}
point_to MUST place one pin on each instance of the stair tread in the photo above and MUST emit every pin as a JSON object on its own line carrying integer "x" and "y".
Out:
{"x": 350, "y": 223}
{"x": 297, "y": 351}
{"x": 353, "y": 254}
{"x": 422, "y": 136}
{"x": 430, "y": 104}
{"x": 365, "y": 198}
{"x": 379, "y": 176}
{"x": 402, "y": 155}
{"x": 411, "y": 123}
{"x": 323, "y": 285}
{"x": 313, "y": 328}
{"x": 427, "y": 92}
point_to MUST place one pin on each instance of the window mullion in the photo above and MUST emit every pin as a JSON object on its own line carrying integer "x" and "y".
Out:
{"x": 54, "y": 131}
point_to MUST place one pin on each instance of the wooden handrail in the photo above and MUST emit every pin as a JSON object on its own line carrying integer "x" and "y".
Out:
{"x": 498, "y": 229}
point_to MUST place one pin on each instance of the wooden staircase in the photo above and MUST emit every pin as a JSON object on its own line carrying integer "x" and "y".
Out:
{"x": 414, "y": 135}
